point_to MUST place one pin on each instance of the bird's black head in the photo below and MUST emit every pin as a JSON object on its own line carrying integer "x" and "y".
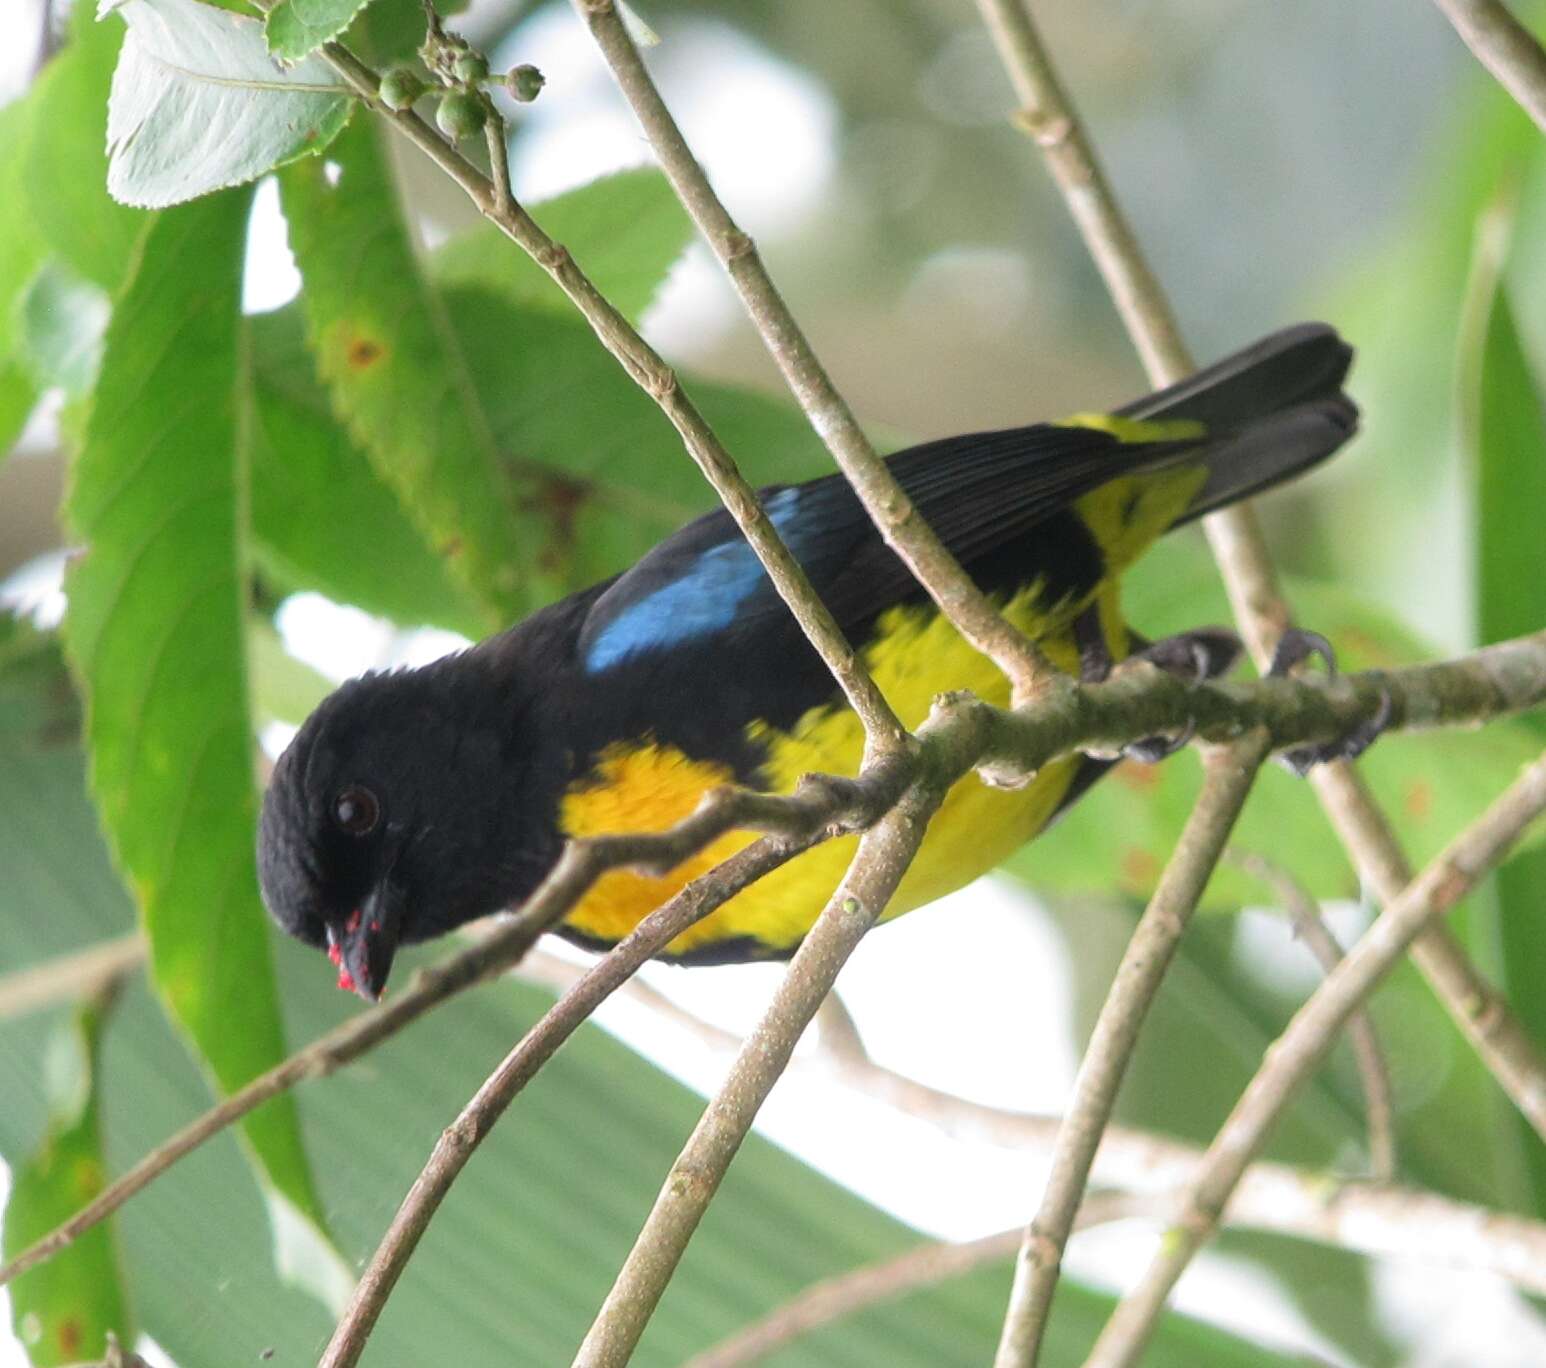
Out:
{"x": 397, "y": 813}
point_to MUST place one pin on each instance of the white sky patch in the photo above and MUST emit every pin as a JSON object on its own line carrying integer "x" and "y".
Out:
{"x": 336, "y": 640}
{"x": 270, "y": 278}
{"x": 1227, "y": 1292}
{"x": 762, "y": 129}
{"x": 35, "y": 590}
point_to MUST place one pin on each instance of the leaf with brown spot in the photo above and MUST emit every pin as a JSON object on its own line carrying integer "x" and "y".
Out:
{"x": 361, "y": 353}
{"x": 1139, "y": 868}
{"x": 1138, "y": 777}
{"x": 398, "y": 375}
{"x": 1417, "y": 800}
{"x": 64, "y": 1309}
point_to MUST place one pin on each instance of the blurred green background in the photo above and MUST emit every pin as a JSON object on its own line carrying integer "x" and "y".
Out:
{"x": 1279, "y": 162}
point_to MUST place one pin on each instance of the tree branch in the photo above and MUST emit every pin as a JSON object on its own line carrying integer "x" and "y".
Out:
{"x": 1506, "y": 48}
{"x": 1368, "y": 1218}
{"x": 1136, "y": 702}
{"x": 1298, "y": 1052}
{"x": 1310, "y": 926}
{"x": 68, "y": 978}
{"x": 644, "y": 365}
{"x": 883, "y": 857}
{"x": 888, "y": 505}
{"x": 1229, "y": 775}
{"x": 927, "y": 1265}
{"x": 457, "y": 1143}
{"x": 1241, "y": 551}
{"x": 797, "y": 821}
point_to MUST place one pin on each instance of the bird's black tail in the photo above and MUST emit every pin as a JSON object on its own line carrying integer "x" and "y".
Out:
{"x": 1272, "y": 411}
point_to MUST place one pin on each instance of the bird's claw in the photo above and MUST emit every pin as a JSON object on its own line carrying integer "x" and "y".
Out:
{"x": 1294, "y": 647}
{"x": 1302, "y": 759}
{"x": 1200, "y": 654}
{"x": 1152, "y": 749}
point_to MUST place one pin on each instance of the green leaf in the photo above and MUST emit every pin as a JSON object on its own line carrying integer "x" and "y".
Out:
{"x": 283, "y": 688}
{"x": 21, "y": 250}
{"x": 198, "y": 104}
{"x": 389, "y": 31}
{"x": 605, "y": 470}
{"x": 62, "y": 319}
{"x": 295, "y": 28}
{"x": 386, "y": 349}
{"x": 18, "y": 396}
{"x": 1432, "y": 783}
{"x": 321, "y": 517}
{"x": 1401, "y": 308}
{"x": 1503, "y": 427}
{"x": 66, "y": 164}
{"x": 155, "y": 628}
{"x": 625, "y": 231}
{"x": 62, "y": 1310}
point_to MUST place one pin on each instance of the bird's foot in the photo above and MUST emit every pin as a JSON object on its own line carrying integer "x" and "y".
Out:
{"x": 1295, "y": 647}
{"x": 1194, "y": 656}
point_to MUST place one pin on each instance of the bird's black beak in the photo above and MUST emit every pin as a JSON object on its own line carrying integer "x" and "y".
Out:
{"x": 364, "y": 945}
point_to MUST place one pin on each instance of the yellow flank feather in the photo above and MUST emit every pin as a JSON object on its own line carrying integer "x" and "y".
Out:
{"x": 914, "y": 655}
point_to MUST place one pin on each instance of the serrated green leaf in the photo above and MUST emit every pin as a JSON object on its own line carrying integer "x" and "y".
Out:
{"x": 66, "y": 165}
{"x": 295, "y": 28}
{"x": 198, "y": 104}
{"x": 399, "y": 377}
{"x": 626, "y": 231}
{"x": 61, "y": 319}
{"x": 321, "y": 517}
{"x": 63, "y": 1310}
{"x": 155, "y": 627}
{"x": 1432, "y": 783}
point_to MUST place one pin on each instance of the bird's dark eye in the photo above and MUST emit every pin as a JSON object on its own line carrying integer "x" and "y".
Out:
{"x": 356, "y": 810}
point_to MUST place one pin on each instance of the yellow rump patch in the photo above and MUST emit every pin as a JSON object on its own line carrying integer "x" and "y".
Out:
{"x": 1138, "y": 430}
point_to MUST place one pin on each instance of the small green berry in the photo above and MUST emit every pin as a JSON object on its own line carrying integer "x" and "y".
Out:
{"x": 400, "y": 87}
{"x": 524, "y": 82}
{"x": 470, "y": 68}
{"x": 460, "y": 116}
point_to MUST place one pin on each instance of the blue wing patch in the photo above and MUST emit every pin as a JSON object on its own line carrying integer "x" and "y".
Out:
{"x": 705, "y": 599}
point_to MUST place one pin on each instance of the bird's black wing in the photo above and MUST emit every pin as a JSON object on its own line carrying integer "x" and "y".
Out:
{"x": 979, "y": 492}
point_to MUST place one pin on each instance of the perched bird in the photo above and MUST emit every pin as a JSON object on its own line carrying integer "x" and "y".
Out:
{"x": 413, "y": 801}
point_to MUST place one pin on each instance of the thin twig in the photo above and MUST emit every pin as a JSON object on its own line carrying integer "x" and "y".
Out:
{"x": 536, "y": 1047}
{"x": 1235, "y": 535}
{"x": 888, "y": 505}
{"x": 1506, "y": 48}
{"x": 847, "y": 1294}
{"x": 69, "y": 978}
{"x": 644, "y": 365}
{"x": 1299, "y": 1051}
{"x": 1477, "y": 1008}
{"x": 1229, "y": 775}
{"x": 883, "y": 857}
{"x": 1310, "y": 926}
{"x": 836, "y": 1031}
{"x": 1380, "y": 1220}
